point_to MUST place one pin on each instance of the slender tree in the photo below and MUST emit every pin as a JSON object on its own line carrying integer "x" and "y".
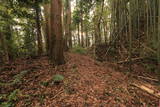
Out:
{"x": 158, "y": 48}
{"x": 68, "y": 33}
{"x": 130, "y": 37}
{"x": 39, "y": 33}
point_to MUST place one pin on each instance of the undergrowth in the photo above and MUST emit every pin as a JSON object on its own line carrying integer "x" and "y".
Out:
{"x": 10, "y": 99}
{"x": 17, "y": 79}
{"x": 79, "y": 50}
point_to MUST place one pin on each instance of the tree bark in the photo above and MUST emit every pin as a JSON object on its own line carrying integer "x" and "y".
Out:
{"x": 79, "y": 41}
{"x": 81, "y": 23}
{"x": 5, "y": 54}
{"x": 158, "y": 47}
{"x": 130, "y": 39}
{"x": 39, "y": 33}
{"x": 68, "y": 33}
{"x": 98, "y": 24}
{"x": 82, "y": 39}
{"x": 47, "y": 26}
{"x": 57, "y": 57}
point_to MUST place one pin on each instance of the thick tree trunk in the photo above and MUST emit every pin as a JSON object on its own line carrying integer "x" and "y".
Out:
{"x": 98, "y": 20}
{"x": 39, "y": 33}
{"x": 5, "y": 55}
{"x": 57, "y": 56}
{"x": 47, "y": 26}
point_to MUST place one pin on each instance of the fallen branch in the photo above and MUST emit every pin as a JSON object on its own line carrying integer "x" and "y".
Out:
{"x": 147, "y": 78}
{"x": 61, "y": 90}
{"x": 148, "y": 90}
{"x": 133, "y": 59}
{"x": 148, "y": 48}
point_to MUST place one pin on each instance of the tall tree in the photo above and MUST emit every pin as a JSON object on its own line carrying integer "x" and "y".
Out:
{"x": 47, "y": 26}
{"x": 81, "y": 22}
{"x": 130, "y": 37}
{"x": 158, "y": 47}
{"x": 57, "y": 56}
{"x": 68, "y": 33}
{"x": 39, "y": 33}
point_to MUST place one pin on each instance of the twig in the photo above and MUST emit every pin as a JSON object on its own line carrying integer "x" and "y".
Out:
{"x": 61, "y": 90}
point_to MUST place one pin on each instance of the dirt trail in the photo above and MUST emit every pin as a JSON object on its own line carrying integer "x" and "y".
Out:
{"x": 87, "y": 84}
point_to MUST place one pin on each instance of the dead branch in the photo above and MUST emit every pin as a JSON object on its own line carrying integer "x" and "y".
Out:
{"x": 61, "y": 91}
{"x": 148, "y": 78}
{"x": 148, "y": 90}
{"x": 150, "y": 49}
{"x": 133, "y": 59}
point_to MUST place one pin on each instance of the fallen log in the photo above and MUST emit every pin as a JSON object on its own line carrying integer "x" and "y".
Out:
{"x": 148, "y": 90}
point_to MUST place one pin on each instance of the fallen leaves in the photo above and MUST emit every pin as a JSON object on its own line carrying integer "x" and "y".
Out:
{"x": 87, "y": 83}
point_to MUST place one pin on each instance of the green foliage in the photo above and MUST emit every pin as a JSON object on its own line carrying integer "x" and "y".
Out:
{"x": 12, "y": 97}
{"x": 7, "y": 104}
{"x": 44, "y": 83}
{"x": 17, "y": 79}
{"x": 58, "y": 78}
{"x": 79, "y": 50}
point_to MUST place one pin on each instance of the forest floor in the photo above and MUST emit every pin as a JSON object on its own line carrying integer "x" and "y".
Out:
{"x": 87, "y": 83}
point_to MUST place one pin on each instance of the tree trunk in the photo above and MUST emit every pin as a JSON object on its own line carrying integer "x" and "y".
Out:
{"x": 39, "y": 33}
{"x": 158, "y": 47}
{"x": 82, "y": 39}
{"x": 5, "y": 55}
{"x": 68, "y": 33}
{"x": 130, "y": 38}
{"x": 57, "y": 56}
{"x": 81, "y": 23}
{"x": 79, "y": 41}
{"x": 87, "y": 39}
{"x": 98, "y": 23}
{"x": 47, "y": 26}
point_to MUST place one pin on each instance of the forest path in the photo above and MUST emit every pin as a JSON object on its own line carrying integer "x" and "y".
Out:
{"x": 94, "y": 83}
{"x": 87, "y": 83}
